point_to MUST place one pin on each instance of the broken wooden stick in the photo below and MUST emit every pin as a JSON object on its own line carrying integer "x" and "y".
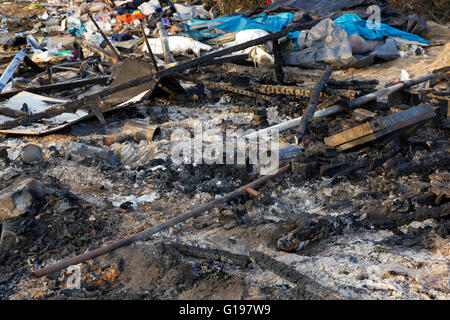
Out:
{"x": 292, "y": 123}
{"x": 313, "y": 101}
{"x": 12, "y": 113}
{"x": 60, "y": 86}
{"x": 148, "y": 232}
{"x": 278, "y": 61}
{"x": 310, "y": 289}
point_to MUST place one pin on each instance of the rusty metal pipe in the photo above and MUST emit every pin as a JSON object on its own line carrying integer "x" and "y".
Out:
{"x": 148, "y": 232}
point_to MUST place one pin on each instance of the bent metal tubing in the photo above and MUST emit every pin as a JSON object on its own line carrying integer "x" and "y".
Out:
{"x": 148, "y": 232}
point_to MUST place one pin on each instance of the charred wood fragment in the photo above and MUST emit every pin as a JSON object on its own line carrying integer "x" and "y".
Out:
{"x": 313, "y": 101}
{"x": 211, "y": 254}
{"x": 314, "y": 227}
{"x": 309, "y": 289}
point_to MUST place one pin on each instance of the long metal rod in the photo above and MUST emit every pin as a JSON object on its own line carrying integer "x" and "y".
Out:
{"x": 114, "y": 51}
{"x": 147, "y": 44}
{"x": 168, "y": 57}
{"x": 146, "y": 233}
{"x": 384, "y": 92}
{"x": 292, "y": 123}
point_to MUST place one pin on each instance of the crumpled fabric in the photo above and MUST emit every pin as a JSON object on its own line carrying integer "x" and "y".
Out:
{"x": 351, "y": 23}
{"x": 150, "y": 7}
{"x": 77, "y": 31}
{"x": 130, "y": 18}
{"x": 259, "y": 54}
{"x": 317, "y": 7}
{"x": 325, "y": 43}
{"x": 238, "y": 23}
{"x": 177, "y": 44}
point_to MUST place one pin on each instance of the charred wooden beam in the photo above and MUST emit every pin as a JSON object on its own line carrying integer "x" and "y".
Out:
{"x": 406, "y": 121}
{"x": 105, "y": 38}
{"x": 313, "y": 101}
{"x": 61, "y": 86}
{"x": 227, "y": 87}
{"x": 278, "y": 61}
{"x": 149, "y": 49}
{"x": 353, "y": 84}
{"x": 397, "y": 220}
{"x": 309, "y": 289}
{"x": 313, "y": 227}
{"x": 211, "y": 254}
{"x": 5, "y": 111}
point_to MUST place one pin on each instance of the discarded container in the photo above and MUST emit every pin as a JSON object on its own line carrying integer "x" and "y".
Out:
{"x": 136, "y": 131}
{"x": 79, "y": 150}
{"x": 13, "y": 65}
{"x": 31, "y": 153}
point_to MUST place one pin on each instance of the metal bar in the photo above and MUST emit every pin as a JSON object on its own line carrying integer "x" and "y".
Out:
{"x": 168, "y": 57}
{"x": 66, "y": 85}
{"x": 152, "y": 57}
{"x": 114, "y": 51}
{"x": 148, "y": 232}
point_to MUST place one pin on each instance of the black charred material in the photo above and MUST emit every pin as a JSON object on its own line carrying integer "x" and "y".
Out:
{"x": 211, "y": 254}
{"x": 313, "y": 101}
{"x": 278, "y": 61}
{"x": 309, "y": 289}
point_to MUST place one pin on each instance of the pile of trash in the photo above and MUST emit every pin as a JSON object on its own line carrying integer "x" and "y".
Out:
{"x": 115, "y": 115}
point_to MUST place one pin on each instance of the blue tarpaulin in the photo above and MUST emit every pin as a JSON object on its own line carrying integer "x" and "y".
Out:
{"x": 351, "y": 23}
{"x": 237, "y": 23}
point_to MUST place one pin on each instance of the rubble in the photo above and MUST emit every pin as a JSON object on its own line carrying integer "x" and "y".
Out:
{"x": 21, "y": 198}
{"x": 97, "y": 96}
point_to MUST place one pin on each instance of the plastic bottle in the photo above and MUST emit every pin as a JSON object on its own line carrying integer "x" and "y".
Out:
{"x": 12, "y": 67}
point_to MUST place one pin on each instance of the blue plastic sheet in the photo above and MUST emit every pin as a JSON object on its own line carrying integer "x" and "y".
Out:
{"x": 237, "y": 23}
{"x": 351, "y": 23}
{"x": 197, "y": 35}
{"x": 77, "y": 31}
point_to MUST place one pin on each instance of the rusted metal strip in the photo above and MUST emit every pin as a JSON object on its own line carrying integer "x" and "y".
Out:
{"x": 148, "y": 232}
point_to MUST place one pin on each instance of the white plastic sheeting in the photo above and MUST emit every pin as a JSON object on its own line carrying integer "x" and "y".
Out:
{"x": 177, "y": 44}
{"x": 259, "y": 54}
